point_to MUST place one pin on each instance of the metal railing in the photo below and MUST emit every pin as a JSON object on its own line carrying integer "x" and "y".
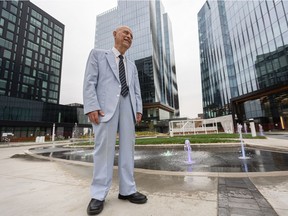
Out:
{"x": 184, "y": 127}
{"x": 197, "y": 126}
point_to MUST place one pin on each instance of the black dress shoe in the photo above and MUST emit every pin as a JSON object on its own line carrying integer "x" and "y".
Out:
{"x": 95, "y": 207}
{"x": 137, "y": 198}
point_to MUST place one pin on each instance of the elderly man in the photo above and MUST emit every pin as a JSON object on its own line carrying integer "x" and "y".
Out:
{"x": 113, "y": 103}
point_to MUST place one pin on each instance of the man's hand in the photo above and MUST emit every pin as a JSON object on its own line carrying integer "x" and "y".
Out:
{"x": 94, "y": 116}
{"x": 138, "y": 118}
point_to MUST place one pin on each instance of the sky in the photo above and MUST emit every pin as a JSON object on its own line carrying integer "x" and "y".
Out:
{"x": 79, "y": 18}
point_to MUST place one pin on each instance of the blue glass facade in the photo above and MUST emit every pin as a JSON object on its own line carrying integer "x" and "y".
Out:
{"x": 244, "y": 61}
{"x": 30, "y": 118}
{"x": 152, "y": 50}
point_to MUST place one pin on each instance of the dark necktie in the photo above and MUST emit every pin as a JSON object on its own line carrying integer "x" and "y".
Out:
{"x": 124, "y": 87}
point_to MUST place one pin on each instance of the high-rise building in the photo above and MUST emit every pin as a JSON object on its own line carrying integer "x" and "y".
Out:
{"x": 244, "y": 61}
{"x": 31, "y": 52}
{"x": 152, "y": 50}
{"x": 31, "y": 48}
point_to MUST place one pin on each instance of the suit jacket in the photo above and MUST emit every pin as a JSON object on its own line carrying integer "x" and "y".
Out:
{"x": 101, "y": 89}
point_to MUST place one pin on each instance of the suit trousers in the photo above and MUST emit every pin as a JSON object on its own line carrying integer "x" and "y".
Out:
{"x": 122, "y": 121}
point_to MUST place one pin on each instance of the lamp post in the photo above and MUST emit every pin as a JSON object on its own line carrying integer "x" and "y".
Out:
{"x": 53, "y": 133}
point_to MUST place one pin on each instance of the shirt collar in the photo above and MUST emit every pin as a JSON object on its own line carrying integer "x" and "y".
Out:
{"x": 116, "y": 52}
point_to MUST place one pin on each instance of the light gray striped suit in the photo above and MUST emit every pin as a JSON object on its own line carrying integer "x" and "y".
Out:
{"x": 101, "y": 91}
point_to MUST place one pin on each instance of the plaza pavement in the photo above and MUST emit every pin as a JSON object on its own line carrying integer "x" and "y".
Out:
{"x": 34, "y": 187}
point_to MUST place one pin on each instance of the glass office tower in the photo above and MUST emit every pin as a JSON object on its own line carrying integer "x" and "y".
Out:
{"x": 244, "y": 61}
{"x": 31, "y": 49}
{"x": 152, "y": 50}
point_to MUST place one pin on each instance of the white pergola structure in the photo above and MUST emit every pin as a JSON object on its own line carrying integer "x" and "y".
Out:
{"x": 197, "y": 126}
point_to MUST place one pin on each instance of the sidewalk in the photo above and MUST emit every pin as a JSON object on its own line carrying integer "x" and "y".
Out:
{"x": 31, "y": 187}
{"x": 274, "y": 141}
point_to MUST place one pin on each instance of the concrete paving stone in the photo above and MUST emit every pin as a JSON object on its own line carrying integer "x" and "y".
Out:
{"x": 243, "y": 205}
{"x": 222, "y": 188}
{"x": 261, "y": 201}
{"x": 223, "y": 211}
{"x": 194, "y": 187}
{"x": 249, "y": 184}
{"x": 281, "y": 212}
{"x": 36, "y": 197}
{"x": 275, "y": 191}
{"x": 238, "y": 184}
{"x": 241, "y": 200}
{"x": 223, "y": 202}
{"x": 234, "y": 180}
{"x": 239, "y": 193}
{"x": 244, "y": 212}
{"x": 161, "y": 205}
{"x": 269, "y": 212}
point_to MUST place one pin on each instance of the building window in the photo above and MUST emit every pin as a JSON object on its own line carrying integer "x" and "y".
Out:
{"x": 46, "y": 44}
{"x": 2, "y": 21}
{"x": 55, "y": 64}
{"x": 32, "y": 28}
{"x": 56, "y": 49}
{"x": 9, "y": 35}
{"x": 11, "y": 27}
{"x": 29, "y": 53}
{"x": 15, "y": 2}
{"x": 59, "y": 29}
{"x": 44, "y": 35}
{"x": 35, "y": 22}
{"x": 45, "y": 20}
{"x": 13, "y": 9}
{"x": 27, "y": 70}
{"x": 53, "y": 95}
{"x": 7, "y": 54}
{"x": 3, "y": 84}
{"x": 44, "y": 84}
{"x": 57, "y": 35}
{"x": 57, "y": 42}
{"x": 24, "y": 88}
{"x": 36, "y": 15}
{"x": 47, "y": 60}
{"x": 28, "y": 80}
{"x": 55, "y": 71}
{"x": 32, "y": 46}
{"x": 56, "y": 56}
{"x": 42, "y": 75}
{"x": 31, "y": 36}
{"x": 47, "y": 29}
{"x": 9, "y": 16}
{"x": 54, "y": 87}
{"x": 54, "y": 79}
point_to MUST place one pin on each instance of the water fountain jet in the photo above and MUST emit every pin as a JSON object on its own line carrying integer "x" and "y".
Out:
{"x": 187, "y": 147}
{"x": 242, "y": 143}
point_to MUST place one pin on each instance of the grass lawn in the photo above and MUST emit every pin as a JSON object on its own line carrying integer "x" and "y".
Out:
{"x": 199, "y": 138}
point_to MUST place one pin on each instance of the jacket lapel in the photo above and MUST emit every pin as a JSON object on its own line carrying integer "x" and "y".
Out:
{"x": 129, "y": 71}
{"x": 112, "y": 63}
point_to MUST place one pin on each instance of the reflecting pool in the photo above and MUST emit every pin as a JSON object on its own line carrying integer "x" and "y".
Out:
{"x": 214, "y": 159}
